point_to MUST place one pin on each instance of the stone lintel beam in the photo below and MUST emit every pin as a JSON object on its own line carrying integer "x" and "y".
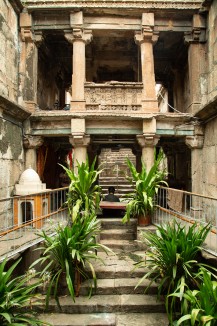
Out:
{"x": 79, "y": 140}
{"x": 147, "y": 140}
{"x": 32, "y": 142}
{"x": 79, "y": 34}
{"x": 194, "y": 142}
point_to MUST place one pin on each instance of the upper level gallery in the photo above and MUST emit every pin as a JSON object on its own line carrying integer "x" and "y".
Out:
{"x": 110, "y": 56}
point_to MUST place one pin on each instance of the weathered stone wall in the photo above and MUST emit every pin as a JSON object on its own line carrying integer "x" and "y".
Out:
{"x": 209, "y": 156}
{"x": 9, "y": 51}
{"x": 11, "y": 156}
{"x": 210, "y": 79}
{"x": 209, "y": 159}
{"x": 11, "y": 150}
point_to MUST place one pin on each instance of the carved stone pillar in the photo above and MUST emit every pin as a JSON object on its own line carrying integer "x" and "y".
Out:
{"x": 195, "y": 143}
{"x": 196, "y": 61}
{"x": 80, "y": 143}
{"x": 31, "y": 143}
{"x": 146, "y": 39}
{"x": 28, "y": 69}
{"x": 148, "y": 143}
{"x": 79, "y": 38}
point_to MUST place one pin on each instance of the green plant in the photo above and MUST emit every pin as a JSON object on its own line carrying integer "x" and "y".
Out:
{"x": 17, "y": 294}
{"x": 199, "y": 307}
{"x": 173, "y": 259}
{"x": 83, "y": 188}
{"x": 69, "y": 252}
{"x": 146, "y": 184}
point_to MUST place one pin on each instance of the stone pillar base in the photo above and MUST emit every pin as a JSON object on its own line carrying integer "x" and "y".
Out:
{"x": 77, "y": 106}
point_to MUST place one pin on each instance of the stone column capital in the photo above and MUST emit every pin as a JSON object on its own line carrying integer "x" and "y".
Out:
{"x": 79, "y": 140}
{"x": 148, "y": 140}
{"x": 78, "y": 34}
{"x": 194, "y": 142}
{"x": 32, "y": 142}
{"x": 147, "y": 35}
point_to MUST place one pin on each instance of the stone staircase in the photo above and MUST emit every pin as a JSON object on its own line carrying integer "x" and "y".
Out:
{"x": 121, "y": 184}
{"x": 116, "y": 302}
{"x": 115, "y": 170}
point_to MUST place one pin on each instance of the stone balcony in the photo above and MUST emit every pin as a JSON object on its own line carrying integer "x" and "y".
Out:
{"x": 113, "y": 96}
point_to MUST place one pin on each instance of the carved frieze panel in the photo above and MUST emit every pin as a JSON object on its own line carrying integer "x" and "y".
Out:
{"x": 117, "y": 96}
{"x": 113, "y": 108}
{"x": 158, "y": 4}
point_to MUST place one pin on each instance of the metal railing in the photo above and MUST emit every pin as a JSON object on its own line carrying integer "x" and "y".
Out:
{"x": 23, "y": 217}
{"x": 188, "y": 208}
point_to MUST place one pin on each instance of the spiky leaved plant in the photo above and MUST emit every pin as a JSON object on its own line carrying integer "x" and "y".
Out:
{"x": 173, "y": 259}
{"x": 146, "y": 184}
{"x": 67, "y": 254}
{"x": 199, "y": 306}
{"x": 16, "y": 296}
{"x": 83, "y": 188}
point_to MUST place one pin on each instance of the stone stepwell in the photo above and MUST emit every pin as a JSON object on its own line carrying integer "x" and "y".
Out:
{"x": 116, "y": 302}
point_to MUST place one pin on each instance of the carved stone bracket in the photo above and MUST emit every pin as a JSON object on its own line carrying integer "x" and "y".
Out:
{"x": 38, "y": 39}
{"x": 78, "y": 34}
{"x": 148, "y": 140}
{"x": 198, "y": 33}
{"x": 32, "y": 142}
{"x": 26, "y": 34}
{"x": 196, "y": 36}
{"x": 147, "y": 35}
{"x": 194, "y": 142}
{"x": 79, "y": 140}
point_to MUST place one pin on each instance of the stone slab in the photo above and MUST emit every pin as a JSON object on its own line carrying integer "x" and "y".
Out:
{"x": 103, "y": 319}
{"x": 108, "y": 304}
{"x": 142, "y": 319}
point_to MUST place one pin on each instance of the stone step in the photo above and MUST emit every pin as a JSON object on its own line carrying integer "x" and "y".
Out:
{"x": 120, "y": 244}
{"x": 116, "y": 223}
{"x": 118, "y": 266}
{"x": 105, "y": 319}
{"x": 95, "y": 319}
{"x": 119, "y": 286}
{"x": 138, "y": 303}
{"x": 118, "y": 234}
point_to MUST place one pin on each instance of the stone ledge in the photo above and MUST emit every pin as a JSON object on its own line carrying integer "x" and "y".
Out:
{"x": 12, "y": 109}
